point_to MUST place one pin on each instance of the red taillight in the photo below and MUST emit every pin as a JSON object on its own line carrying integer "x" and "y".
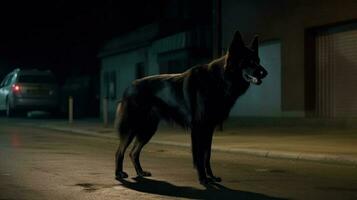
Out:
{"x": 16, "y": 88}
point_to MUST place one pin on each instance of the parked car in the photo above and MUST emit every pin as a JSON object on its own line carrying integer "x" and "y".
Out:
{"x": 25, "y": 90}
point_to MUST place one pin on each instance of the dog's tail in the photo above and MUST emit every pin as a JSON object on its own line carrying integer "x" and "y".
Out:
{"x": 118, "y": 115}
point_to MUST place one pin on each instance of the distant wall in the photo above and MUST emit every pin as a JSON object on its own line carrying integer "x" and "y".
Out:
{"x": 160, "y": 53}
{"x": 286, "y": 21}
{"x": 265, "y": 99}
{"x": 123, "y": 65}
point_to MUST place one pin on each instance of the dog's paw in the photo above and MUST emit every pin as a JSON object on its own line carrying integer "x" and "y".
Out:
{"x": 144, "y": 174}
{"x": 121, "y": 175}
{"x": 206, "y": 181}
{"x": 215, "y": 178}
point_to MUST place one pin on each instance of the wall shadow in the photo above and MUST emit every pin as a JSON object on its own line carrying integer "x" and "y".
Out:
{"x": 213, "y": 191}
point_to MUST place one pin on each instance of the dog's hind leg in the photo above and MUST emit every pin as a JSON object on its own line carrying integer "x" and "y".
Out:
{"x": 126, "y": 136}
{"x": 135, "y": 158}
{"x": 142, "y": 138}
{"x": 125, "y": 140}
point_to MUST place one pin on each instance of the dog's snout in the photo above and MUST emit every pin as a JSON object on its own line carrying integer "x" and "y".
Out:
{"x": 263, "y": 73}
{"x": 260, "y": 73}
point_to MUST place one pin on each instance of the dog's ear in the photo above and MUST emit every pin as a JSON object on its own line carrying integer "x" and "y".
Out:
{"x": 254, "y": 44}
{"x": 237, "y": 43}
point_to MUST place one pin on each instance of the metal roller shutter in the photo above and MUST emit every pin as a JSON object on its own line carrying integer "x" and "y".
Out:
{"x": 336, "y": 74}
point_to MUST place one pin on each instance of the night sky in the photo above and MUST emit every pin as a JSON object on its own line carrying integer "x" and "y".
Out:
{"x": 65, "y": 36}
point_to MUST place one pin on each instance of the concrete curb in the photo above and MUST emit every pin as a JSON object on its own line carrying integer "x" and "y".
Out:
{"x": 324, "y": 158}
{"x": 77, "y": 131}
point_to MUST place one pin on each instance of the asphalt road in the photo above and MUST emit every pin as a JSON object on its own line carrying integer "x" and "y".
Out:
{"x": 43, "y": 164}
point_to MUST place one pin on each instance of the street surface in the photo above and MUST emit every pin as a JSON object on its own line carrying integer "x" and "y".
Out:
{"x": 44, "y": 164}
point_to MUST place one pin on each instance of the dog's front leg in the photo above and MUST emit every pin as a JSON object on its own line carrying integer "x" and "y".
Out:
{"x": 201, "y": 139}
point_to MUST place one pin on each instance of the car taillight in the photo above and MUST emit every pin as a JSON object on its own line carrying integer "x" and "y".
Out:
{"x": 16, "y": 88}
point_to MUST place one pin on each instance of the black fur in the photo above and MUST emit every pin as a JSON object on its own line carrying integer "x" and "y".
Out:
{"x": 198, "y": 99}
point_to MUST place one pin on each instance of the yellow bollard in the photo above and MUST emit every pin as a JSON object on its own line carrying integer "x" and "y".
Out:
{"x": 70, "y": 110}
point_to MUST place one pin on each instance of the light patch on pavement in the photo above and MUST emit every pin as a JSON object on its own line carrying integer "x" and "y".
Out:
{"x": 261, "y": 170}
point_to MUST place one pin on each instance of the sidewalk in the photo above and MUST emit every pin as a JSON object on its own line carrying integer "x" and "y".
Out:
{"x": 299, "y": 141}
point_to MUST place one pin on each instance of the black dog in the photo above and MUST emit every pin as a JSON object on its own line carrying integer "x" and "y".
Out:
{"x": 198, "y": 99}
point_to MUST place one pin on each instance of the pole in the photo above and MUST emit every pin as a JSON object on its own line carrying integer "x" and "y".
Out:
{"x": 70, "y": 110}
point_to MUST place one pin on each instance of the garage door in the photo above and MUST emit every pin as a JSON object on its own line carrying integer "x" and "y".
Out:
{"x": 336, "y": 73}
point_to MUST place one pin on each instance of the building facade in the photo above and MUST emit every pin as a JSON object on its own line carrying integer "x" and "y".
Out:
{"x": 309, "y": 48}
{"x": 146, "y": 52}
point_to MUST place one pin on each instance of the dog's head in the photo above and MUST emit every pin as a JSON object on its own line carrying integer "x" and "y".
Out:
{"x": 244, "y": 62}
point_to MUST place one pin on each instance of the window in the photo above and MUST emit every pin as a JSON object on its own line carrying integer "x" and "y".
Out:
{"x": 4, "y": 81}
{"x": 8, "y": 80}
{"x": 36, "y": 79}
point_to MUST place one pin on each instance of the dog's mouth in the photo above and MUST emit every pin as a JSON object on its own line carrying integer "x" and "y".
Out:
{"x": 251, "y": 79}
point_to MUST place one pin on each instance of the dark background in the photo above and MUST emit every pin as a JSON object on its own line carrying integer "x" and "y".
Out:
{"x": 65, "y": 36}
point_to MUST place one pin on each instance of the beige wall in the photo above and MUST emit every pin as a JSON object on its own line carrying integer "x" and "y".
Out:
{"x": 287, "y": 21}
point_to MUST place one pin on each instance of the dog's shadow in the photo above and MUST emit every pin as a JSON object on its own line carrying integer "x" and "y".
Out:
{"x": 212, "y": 191}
